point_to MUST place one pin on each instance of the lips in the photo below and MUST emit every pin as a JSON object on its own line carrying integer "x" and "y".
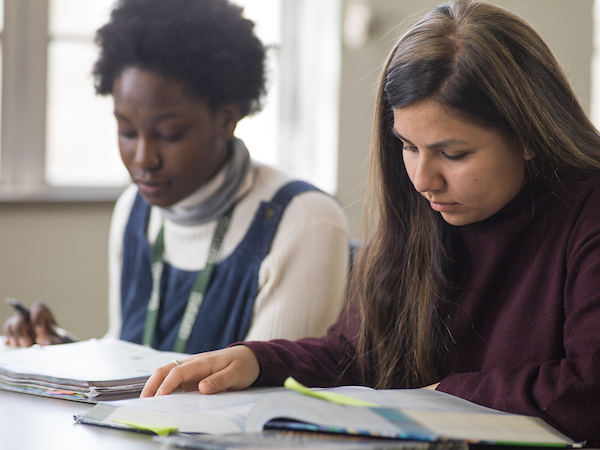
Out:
{"x": 151, "y": 187}
{"x": 442, "y": 207}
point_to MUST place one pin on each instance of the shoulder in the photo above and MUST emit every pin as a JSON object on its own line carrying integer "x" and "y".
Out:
{"x": 579, "y": 209}
{"x": 579, "y": 197}
{"x": 125, "y": 201}
{"x": 266, "y": 180}
{"x": 123, "y": 207}
{"x": 316, "y": 206}
{"x": 312, "y": 205}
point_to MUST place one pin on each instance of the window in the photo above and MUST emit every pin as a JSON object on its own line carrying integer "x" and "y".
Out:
{"x": 58, "y": 139}
{"x": 81, "y": 140}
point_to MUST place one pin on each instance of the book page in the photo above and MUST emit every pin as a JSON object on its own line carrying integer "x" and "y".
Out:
{"x": 188, "y": 402}
{"x": 97, "y": 361}
{"x": 505, "y": 428}
{"x": 415, "y": 399}
{"x": 335, "y": 418}
{"x": 423, "y": 415}
{"x": 454, "y": 417}
{"x": 189, "y": 412}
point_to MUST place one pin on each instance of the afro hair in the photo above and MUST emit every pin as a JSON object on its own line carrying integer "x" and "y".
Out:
{"x": 206, "y": 45}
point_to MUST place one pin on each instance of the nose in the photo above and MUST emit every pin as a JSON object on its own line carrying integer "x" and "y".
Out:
{"x": 147, "y": 154}
{"x": 424, "y": 174}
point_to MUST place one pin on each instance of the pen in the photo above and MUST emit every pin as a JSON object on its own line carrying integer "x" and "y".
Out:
{"x": 60, "y": 332}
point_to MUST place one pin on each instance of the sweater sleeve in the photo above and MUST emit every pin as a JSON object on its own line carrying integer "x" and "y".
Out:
{"x": 566, "y": 391}
{"x": 302, "y": 281}
{"x": 317, "y": 362}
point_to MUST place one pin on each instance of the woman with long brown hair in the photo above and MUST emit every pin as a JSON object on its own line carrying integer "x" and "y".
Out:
{"x": 481, "y": 275}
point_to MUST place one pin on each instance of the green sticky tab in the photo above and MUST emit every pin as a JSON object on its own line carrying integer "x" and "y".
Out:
{"x": 156, "y": 429}
{"x": 332, "y": 397}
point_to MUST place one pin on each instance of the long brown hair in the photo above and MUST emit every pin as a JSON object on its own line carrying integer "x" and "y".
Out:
{"x": 490, "y": 68}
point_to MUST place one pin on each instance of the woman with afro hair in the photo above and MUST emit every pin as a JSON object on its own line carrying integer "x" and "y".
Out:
{"x": 207, "y": 246}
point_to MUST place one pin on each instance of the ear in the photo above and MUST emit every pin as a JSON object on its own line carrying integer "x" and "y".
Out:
{"x": 227, "y": 118}
{"x": 528, "y": 155}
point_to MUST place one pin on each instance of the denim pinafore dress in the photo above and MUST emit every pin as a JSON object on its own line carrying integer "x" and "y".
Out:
{"x": 226, "y": 312}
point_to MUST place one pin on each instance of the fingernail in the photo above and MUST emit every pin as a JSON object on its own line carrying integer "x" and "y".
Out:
{"x": 208, "y": 384}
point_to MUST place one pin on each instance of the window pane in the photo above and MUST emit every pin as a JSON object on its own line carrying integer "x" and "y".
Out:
{"x": 78, "y": 18}
{"x": 81, "y": 140}
{"x": 260, "y": 132}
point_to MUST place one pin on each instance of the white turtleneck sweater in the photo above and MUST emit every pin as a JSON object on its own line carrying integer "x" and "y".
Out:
{"x": 302, "y": 281}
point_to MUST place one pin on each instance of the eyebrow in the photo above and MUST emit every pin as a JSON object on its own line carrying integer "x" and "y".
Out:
{"x": 436, "y": 145}
{"x": 155, "y": 120}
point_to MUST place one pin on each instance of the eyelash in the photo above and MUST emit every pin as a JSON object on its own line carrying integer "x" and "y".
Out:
{"x": 167, "y": 138}
{"x": 127, "y": 134}
{"x": 455, "y": 157}
{"x": 173, "y": 137}
{"x": 448, "y": 157}
{"x": 409, "y": 148}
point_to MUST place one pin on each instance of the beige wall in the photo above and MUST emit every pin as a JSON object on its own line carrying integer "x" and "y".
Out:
{"x": 58, "y": 251}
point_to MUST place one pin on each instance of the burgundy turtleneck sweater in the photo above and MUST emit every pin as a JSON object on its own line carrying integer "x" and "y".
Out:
{"x": 526, "y": 330}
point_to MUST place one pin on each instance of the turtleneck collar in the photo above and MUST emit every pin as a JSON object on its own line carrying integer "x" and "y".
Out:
{"x": 522, "y": 207}
{"x": 214, "y": 198}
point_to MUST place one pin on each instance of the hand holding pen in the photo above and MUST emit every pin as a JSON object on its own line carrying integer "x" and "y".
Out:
{"x": 35, "y": 326}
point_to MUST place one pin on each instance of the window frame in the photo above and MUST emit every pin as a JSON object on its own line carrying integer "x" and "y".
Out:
{"x": 23, "y": 117}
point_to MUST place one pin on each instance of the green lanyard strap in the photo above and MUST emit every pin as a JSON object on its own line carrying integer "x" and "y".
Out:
{"x": 201, "y": 285}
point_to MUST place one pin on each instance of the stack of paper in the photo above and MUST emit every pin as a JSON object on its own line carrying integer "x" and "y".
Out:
{"x": 88, "y": 371}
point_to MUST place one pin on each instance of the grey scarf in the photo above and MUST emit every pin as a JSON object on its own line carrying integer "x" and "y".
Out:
{"x": 215, "y": 206}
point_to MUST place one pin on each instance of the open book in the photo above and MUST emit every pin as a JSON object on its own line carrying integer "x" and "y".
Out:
{"x": 412, "y": 414}
{"x": 88, "y": 371}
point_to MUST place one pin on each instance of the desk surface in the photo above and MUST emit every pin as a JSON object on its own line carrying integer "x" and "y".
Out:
{"x": 32, "y": 422}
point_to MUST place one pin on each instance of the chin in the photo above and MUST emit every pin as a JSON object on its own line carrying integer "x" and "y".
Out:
{"x": 457, "y": 221}
{"x": 157, "y": 200}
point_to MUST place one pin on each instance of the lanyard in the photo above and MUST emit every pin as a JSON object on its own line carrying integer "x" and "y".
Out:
{"x": 199, "y": 289}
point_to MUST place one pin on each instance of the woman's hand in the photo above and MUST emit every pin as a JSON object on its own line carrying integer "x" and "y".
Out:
{"x": 20, "y": 331}
{"x": 232, "y": 368}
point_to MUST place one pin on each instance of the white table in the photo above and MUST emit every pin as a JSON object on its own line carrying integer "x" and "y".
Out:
{"x": 32, "y": 422}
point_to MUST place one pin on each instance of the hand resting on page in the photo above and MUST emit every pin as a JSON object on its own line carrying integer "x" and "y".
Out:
{"x": 233, "y": 368}
{"x": 20, "y": 331}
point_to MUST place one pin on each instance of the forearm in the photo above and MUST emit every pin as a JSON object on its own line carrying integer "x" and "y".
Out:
{"x": 311, "y": 361}
{"x": 327, "y": 361}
